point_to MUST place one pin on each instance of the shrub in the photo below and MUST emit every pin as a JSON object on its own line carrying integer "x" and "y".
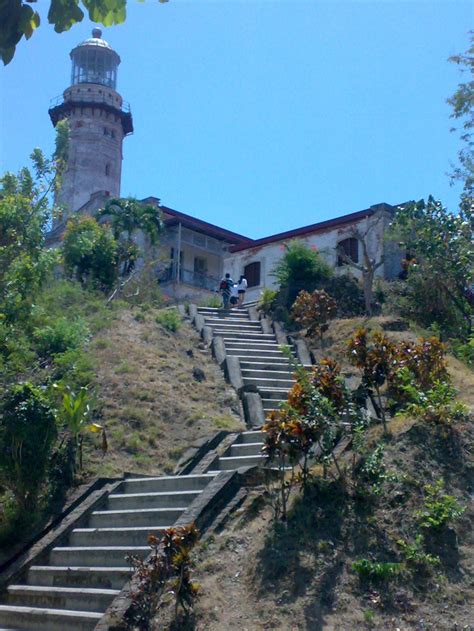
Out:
{"x": 267, "y": 300}
{"x": 27, "y": 433}
{"x": 348, "y": 294}
{"x": 439, "y": 508}
{"x": 170, "y": 319}
{"x": 166, "y": 570}
{"x": 90, "y": 252}
{"x": 60, "y": 335}
{"x": 415, "y": 555}
{"x": 300, "y": 268}
{"x": 436, "y": 405}
{"x": 313, "y": 311}
{"x": 376, "y": 571}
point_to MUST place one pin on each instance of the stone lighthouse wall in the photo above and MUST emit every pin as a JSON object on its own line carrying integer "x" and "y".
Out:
{"x": 95, "y": 144}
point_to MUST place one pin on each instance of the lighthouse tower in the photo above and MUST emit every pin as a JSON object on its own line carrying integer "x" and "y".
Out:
{"x": 98, "y": 121}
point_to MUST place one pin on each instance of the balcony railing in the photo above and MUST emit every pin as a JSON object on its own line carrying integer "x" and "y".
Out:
{"x": 190, "y": 277}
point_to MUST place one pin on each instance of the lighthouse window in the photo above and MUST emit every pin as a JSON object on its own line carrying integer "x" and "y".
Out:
{"x": 107, "y": 169}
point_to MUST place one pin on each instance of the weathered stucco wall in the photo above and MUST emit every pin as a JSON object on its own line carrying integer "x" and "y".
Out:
{"x": 325, "y": 243}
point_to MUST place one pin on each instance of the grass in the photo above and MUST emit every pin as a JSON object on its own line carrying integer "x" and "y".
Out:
{"x": 150, "y": 403}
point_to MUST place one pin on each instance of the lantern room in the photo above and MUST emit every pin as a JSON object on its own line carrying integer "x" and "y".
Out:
{"x": 95, "y": 61}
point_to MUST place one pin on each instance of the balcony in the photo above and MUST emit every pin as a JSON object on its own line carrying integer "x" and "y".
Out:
{"x": 60, "y": 107}
{"x": 190, "y": 277}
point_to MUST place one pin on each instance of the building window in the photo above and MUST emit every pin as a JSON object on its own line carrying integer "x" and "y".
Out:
{"x": 347, "y": 248}
{"x": 252, "y": 274}
{"x": 107, "y": 169}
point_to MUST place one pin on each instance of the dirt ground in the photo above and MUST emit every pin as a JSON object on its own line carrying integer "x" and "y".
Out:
{"x": 256, "y": 576}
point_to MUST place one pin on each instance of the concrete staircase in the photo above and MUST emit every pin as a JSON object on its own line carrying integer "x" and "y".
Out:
{"x": 82, "y": 576}
{"x": 262, "y": 363}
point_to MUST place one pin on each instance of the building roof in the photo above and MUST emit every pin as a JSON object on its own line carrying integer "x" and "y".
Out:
{"x": 175, "y": 217}
{"x": 321, "y": 226}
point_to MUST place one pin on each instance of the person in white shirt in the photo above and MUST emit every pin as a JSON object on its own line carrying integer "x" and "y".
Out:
{"x": 241, "y": 289}
{"x": 234, "y": 296}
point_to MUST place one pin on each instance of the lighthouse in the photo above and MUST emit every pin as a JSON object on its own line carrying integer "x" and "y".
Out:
{"x": 98, "y": 119}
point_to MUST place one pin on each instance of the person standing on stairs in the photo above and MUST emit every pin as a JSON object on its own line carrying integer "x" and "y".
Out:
{"x": 234, "y": 296}
{"x": 241, "y": 288}
{"x": 225, "y": 287}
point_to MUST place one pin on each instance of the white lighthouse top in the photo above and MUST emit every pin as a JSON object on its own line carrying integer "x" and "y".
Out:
{"x": 94, "y": 61}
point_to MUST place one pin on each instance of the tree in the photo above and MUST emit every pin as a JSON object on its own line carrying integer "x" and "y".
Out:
{"x": 18, "y": 19}
{"x": 24, "y": 216}
{"x": 90, "y": 252}
{"x": 369, "y": 264}
{"x": 126, "y": 217}
{"x": 462, "y": 103}
{"x": 27, "y": 433}
{"x": 440, "y": 264}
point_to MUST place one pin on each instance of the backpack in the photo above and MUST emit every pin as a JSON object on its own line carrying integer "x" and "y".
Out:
{"x": 224, "y": 284}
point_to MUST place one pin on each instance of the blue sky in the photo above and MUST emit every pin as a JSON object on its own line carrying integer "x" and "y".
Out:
{"x": 263, "y": 116}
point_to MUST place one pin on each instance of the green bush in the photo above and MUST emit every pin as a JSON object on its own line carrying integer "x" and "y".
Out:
{"x": 170, "y": 319}
{"x": 376, "y": 571}
{"x": 300, "y": 268}
{"x": 27, "y": 433}
{"x": 439, "y": 508}
{"x": 60, "y": 335}
{"x": 267, "y": 301}
{"x": 90, "y": 253}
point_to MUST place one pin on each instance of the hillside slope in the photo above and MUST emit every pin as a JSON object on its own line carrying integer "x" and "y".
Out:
{"x": 159, "y": 391}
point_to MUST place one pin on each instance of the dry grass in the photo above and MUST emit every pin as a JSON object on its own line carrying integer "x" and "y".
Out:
{"x": 152, "y": 406}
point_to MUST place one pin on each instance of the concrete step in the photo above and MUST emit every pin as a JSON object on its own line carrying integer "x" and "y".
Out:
{"x": 137, "y": 536}
{"x": 280, "y": 394}
{"x": 83, "y": 599}
{"x": 248, "y": 337}
{"x": 168, "y": 499}
{"x": 79, "y": 576}
{"x": 105, "y": 556}
{"x": 142, "y": 517}
{"x": 38, "y": 619}
{"x": 268, "y": 382}
{"x": 166, "y": 483}
{"x": 227, "y": 463}
{"x": 252, "y": 348}
{"x": 250, "y": 437}
{"x": 234, "y": 323}
{"x": 228, "y": 314}
{"x": 257, "y": 355}
{"x": 245, "y": 449}
{"x": 271, "y": 365}
{"x": 271, "y": 404}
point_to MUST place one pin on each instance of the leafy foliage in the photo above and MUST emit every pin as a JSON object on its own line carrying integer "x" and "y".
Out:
{"x": 90, "y": 253}
{"x": 27, "y": 433}
{"x": 440, "y": 261}
{"x": 391, "y": 371}
{"x": 75, "y": 412}
{"x": 166, "y": 571}
{"x": 376, "y": 571}
{"x": 126, "y": 217}
{"x": 267, "y": 300}
{"x": 415, "y": 556}
{"x": 313, "y": 311}
{"x": 300, "y": 268}
{"x": 170, "y": 319}
{"x": 20, "y": 20}
{"x": 439, "y": 508}
{"x": 463, "y": 110}
{"x": 437, "y": 404}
